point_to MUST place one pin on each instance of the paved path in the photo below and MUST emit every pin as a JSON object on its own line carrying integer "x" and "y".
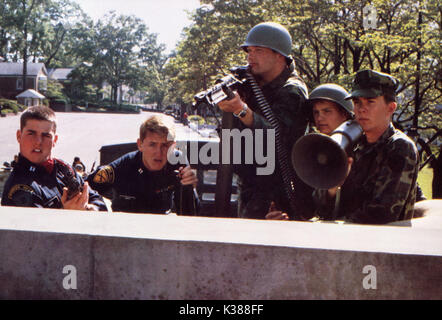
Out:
{"x": 83, "y": 134}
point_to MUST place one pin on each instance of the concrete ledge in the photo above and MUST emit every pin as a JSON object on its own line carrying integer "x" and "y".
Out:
{"x": 130, "y": 256}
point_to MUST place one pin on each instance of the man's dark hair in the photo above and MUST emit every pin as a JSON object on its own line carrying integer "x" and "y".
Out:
{"x": 340, "y": 108}
{"x": 389, "y": 97}
{"x": 41, "y": 113}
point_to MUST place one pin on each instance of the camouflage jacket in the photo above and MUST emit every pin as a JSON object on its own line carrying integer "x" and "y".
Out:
{"x": 286, "y": 95}
{"x": 381, "y": 186}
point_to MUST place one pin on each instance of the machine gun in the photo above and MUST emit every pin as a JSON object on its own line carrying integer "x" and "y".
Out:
{"x": 221, "y": 91}
{"x": 223, "y": 88}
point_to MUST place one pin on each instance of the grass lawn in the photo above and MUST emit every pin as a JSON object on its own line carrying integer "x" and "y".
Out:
{"x": 425, "y": 180}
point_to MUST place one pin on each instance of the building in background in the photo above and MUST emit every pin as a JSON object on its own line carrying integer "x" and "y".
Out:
{"x": 11, "y": 79}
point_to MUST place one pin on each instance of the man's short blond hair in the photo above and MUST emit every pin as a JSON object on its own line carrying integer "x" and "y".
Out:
{"x": 158, "y": 124}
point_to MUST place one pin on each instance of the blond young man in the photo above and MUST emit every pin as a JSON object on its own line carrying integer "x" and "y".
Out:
{"x": 144, "y": 181}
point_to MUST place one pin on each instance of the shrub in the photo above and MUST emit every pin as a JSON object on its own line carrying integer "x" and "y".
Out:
{"x": 6, "y": 111}
{"x": 12, "y": 105}
{"x": 196, "y": 118}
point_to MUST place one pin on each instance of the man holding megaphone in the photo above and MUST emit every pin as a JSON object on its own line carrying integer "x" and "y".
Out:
{"x": 380, "y": 184}
{"x": 329, "y": 110}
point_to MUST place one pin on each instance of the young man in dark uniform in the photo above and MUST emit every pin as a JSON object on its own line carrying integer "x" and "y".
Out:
{"x": 268, "y": 46}
{"x": 145, "y": 181}
{"x": 381, "y": 185}
{"x": 38, "y": 179}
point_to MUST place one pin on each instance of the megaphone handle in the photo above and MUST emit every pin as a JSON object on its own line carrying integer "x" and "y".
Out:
{"x": 337, "y": 203}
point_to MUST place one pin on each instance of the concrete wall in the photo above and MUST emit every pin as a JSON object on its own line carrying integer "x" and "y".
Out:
{"x": 130, "y": 256}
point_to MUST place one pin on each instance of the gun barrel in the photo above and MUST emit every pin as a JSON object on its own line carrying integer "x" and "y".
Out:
{"x": 216, "y": 93}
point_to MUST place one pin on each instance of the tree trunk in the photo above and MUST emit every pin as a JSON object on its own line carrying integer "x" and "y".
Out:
{"x": 25, "y": 56}
{"x": 345, "y": 55}
{"x": 357, "y": 59}
{"x": 417, "y": 98}
{"x": 114, "y": 93}
{"x": 337, "y": 56}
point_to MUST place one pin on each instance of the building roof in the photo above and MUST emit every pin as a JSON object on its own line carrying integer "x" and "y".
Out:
{"x": 31, "y": 93}
{"x": 16, "y": 68}
{"x": 59, "y": 73}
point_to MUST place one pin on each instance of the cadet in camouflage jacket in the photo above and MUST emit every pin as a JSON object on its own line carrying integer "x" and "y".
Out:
{"x": 381, "y": 186}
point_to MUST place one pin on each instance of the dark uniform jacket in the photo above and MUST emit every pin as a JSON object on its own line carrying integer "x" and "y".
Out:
{"x": 30, "y": 185}
{"x": 286, "y": 95}
{"x": 136, "y": 189}
{"x": 381, "y": 186}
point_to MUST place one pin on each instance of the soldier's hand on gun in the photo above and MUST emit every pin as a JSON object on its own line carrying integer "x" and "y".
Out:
{"x": 79, "y": 201}
{"x": 275, "y": 214}
{"x": 234, "y": 105}
{"x": 187, "y": 176}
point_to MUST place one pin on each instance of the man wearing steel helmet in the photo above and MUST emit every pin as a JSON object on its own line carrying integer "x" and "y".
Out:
{"x": 329, "y": 107}
{"x": 329, "y": 110}
{"x": 268, "y": 46}
{"x": 381, "y": 184}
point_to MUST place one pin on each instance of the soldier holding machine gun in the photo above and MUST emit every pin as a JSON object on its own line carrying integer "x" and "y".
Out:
{"x": 268, "y": 46}
{"x": 380, "y": 185}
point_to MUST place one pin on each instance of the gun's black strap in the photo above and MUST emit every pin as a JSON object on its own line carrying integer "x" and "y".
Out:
{"x": 287, "y": 172}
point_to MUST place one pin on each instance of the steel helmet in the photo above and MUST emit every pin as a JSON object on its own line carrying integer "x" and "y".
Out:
{"x": 270, "y": 35}
{"x": 332, "y": 92}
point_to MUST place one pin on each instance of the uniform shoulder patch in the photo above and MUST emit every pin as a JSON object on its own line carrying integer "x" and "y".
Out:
{"x": 19, "y": 187}
{"x": 21, "y": 195}
{"x": 105, "y": 175}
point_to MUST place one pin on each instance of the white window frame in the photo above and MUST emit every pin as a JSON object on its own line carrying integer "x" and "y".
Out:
{"x": 19, "y": 81}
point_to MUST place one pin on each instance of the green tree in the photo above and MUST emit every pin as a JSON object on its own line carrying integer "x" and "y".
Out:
{"x": 151, "y": 76}
{"x": 33, "y": 30}
{"x": 118, "y": 50}
{"x": 331, "y": 42}
{"x": 57, "y": 47}
{"x": 28, "y": 23}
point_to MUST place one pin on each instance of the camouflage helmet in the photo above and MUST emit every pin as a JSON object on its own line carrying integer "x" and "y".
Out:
{"x": 270, "y": 35}
{"x": 371, "y": 84}
{"x": 332, "y": 92}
